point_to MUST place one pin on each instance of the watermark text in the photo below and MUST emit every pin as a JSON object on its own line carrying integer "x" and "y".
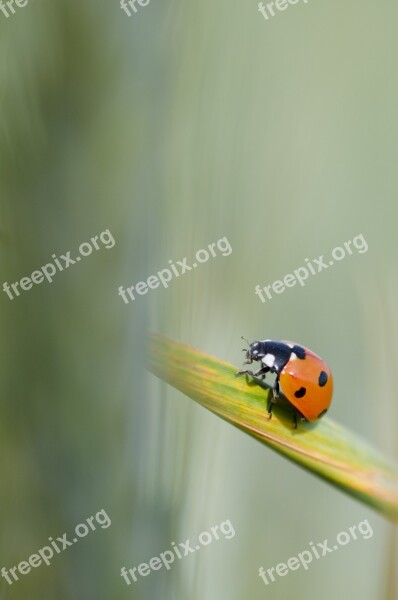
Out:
{"x": 177, "y": 268}
{"x": 312, "y": 267}
{"x": 60, "y": 263}
{"x": 180, "y": 550}
{"x": 317, "y": 551}
{"x": 45, "y": 554}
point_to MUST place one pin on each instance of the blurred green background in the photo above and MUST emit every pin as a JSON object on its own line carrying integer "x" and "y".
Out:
{"x": 187, "y": 122}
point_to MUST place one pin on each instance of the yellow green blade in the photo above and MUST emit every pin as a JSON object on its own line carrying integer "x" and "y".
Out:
{"x": 325, "y": 448}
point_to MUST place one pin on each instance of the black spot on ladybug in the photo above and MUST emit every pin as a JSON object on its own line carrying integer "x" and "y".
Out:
{"x": 322, "y": 379}
{"x": 300, "y": 393}
{"x": 322, "y": 413}
{"x": 299, "y": 352}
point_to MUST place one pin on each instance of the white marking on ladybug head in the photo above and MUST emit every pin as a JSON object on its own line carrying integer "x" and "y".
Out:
{"x": 293, "y": 356}
{"x": 269, "y": 360}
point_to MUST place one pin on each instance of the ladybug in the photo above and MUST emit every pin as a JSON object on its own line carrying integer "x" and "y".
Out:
{"x": 304, "y": 378}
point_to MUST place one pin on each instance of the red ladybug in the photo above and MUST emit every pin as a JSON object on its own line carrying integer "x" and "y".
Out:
{"x": 304, "y": 378}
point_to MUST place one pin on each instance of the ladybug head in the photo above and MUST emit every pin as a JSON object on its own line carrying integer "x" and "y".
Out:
{"x": 254, "y": 352}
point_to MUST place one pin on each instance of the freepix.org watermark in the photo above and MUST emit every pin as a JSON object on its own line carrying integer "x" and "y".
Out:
{"x": 64, "y": 261}
{"x": 178, "y": 551}
{"x": 45, "y": 554}
{"x": 131, "y": 5}
{"x": 312, "y": 267}
{"x": 177, "y": 268}
{"x": 316, "y": 551}
{"x": 280, "y": 5}
{"x": 7, "y": 8}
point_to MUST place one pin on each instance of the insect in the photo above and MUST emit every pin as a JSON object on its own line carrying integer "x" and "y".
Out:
{"x": 303, "y": 377}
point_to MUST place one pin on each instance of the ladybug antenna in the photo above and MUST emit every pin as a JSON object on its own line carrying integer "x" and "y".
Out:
{"x": 247, "y": 342}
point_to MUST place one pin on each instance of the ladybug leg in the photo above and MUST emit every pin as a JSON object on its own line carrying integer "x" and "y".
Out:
{"x": 275, "y": 389}
{"x": 269, "y": 408}
{"x": 244, "y": 372}
{"x": 296, "y": 417}
{"x": 261, "y": 371}
{"x": 271, "y": 403}
{"x": 274, "y": 399}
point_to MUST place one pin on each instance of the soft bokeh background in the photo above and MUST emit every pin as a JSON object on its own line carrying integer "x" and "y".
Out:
{"x": 185, "y": 123}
